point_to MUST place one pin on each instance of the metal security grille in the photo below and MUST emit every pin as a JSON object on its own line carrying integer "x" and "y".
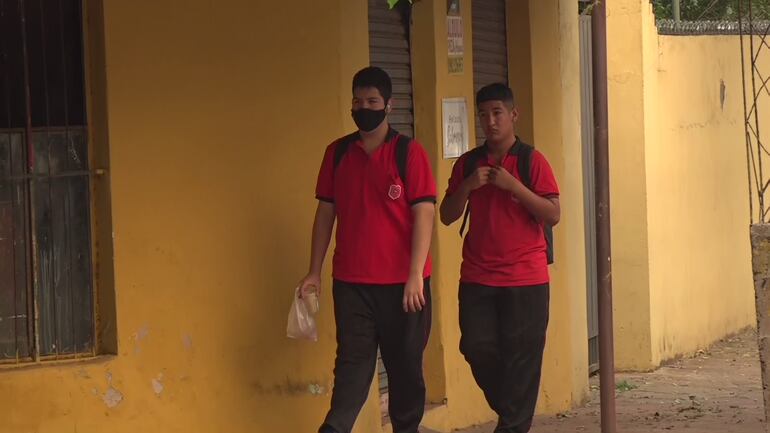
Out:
{"x": 490, "y": 47}
{"x": 389, "y": 49}
{"x": 46, "y": 296}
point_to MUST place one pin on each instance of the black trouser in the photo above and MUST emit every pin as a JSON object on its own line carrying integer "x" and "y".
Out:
{"x": 367, "y": 316}
{"x": 503, "y": 338}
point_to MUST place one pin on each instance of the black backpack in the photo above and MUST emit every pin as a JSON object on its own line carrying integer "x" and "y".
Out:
{"x": 401, "y": 153}
{"x": 523, "y": 152}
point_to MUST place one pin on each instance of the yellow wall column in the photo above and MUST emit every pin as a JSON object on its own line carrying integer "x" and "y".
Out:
{"x": 628, "y": 188}
{"x": 520, "y": 64}
{"x": 448, "y": 376}
{"x": 556, "y": 116}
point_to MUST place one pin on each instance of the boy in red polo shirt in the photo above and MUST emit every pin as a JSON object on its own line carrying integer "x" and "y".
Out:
{"x": 379, "y": 187}
{"x": 504, "y": 283}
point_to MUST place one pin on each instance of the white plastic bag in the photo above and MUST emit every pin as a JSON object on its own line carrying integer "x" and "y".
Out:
{"x": 301, "y": 323}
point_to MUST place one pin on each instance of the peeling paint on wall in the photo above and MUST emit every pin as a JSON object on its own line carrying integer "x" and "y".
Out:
{"x": 292, "y": 388}
{"x": 138, "y": 337}
{"x": 187, "y": 342}
{"x": 112, "y": 397}
{"x": 157, "y": 384}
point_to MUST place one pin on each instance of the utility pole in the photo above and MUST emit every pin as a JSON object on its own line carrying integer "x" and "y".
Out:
{"x": 677, "y": 11}
{"x": 603, "y": 241}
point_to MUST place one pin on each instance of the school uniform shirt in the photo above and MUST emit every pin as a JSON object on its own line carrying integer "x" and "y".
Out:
{"x": 374, "y": 209}
{"x": 505, "y": 245}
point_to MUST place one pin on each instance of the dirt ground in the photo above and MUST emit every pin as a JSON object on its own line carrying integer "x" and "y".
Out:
{"x": 718, "y": 390}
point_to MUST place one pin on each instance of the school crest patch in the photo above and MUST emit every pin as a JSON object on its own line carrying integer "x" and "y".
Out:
{"x": 395, "y": 192}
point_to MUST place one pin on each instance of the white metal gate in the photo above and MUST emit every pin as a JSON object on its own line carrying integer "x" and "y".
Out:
{"x": 587, "y": 121}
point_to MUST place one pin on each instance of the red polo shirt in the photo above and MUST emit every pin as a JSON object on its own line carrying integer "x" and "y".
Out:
{"x": 505, "y": 245}
{"x": 373, "y": 209}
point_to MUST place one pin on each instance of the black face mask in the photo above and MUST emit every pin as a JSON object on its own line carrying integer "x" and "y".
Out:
{"x": 368, "y": 120}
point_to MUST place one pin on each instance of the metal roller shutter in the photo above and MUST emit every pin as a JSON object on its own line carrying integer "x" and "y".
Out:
{"x": 490, "y": 48}
{"x": 389, "y": 50}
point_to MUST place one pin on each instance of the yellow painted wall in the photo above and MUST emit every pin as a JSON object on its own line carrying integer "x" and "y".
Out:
{"x": 700, "y": 255}
{"x": 681, "y": 255}
{"x": 218, "y": 115}
{"x": 217, "y": 118}
{"x": 520, "y": 68}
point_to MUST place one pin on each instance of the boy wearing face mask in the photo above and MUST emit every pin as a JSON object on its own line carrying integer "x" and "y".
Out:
{"x": 379, "y": 187}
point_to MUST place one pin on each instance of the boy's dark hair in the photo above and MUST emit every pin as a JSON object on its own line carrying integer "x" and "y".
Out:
{"x": 373, "y": 76}
{"x": 495, "y": 92}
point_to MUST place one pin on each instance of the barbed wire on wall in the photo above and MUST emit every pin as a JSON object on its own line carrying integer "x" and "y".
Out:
{"x": 671, "y": 27}
{"x": 709, "y": 17}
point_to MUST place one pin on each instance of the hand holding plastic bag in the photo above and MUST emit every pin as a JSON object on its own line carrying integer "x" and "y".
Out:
{"x": 301, "y": 324}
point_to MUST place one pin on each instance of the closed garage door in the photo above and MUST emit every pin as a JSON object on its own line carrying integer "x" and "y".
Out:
{"x": 389, "y": 49}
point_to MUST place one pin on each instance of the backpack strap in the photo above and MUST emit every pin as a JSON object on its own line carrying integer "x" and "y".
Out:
{"x": 472, "y": 159}
{"x": 524, "y": 151}
{"x": 469, "y": 166}
{"x": 402, "y": 154}
{"x": 342, "y": 147}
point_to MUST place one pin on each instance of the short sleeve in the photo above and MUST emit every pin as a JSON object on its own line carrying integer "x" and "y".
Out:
{"x": 420, "y": 183}
{"x": 324, "y": 189}
{"x": 457, "y": 176}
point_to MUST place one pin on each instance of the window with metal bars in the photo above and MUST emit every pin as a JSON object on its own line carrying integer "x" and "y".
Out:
{"x": 46, "y": 281}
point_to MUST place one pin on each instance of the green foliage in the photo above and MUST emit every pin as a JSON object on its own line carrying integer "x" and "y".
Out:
{"x": 625, "y": 386}
{"x": 393, "y": 3}
{"x": 711, "y": 10}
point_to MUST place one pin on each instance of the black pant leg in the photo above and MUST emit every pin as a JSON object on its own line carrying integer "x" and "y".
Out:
{"x": 403, "y": 337}
{"x": 479, "y": 342}
{"x": 523, "y": 313}
{"x": 354, "y": 312}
